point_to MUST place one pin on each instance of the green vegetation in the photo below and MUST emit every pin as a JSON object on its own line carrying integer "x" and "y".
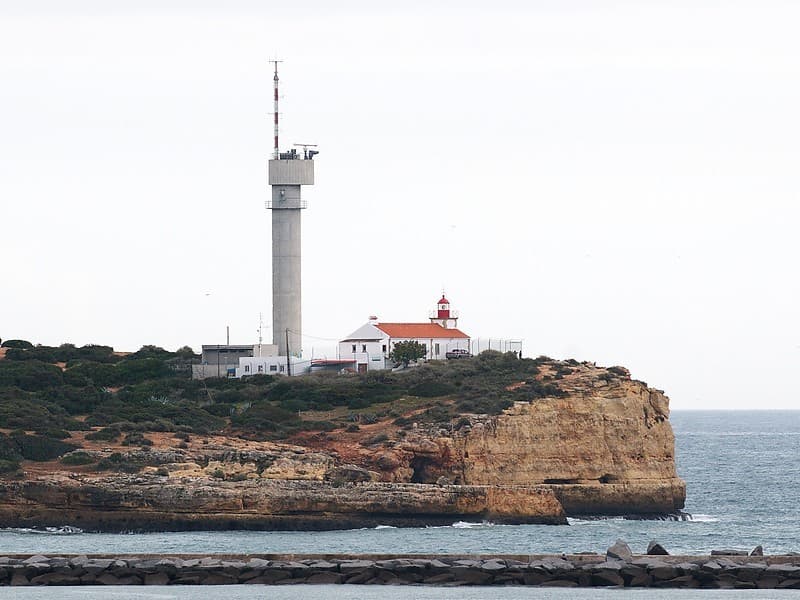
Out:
{"x": 52, "y": 391}
{"x": 77, "y": 458}
{"x": 407, "y": 352}
{"x": 18, "y": 445}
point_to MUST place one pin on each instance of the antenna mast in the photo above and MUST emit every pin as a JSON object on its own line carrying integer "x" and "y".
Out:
{"x": 276, "y": 152}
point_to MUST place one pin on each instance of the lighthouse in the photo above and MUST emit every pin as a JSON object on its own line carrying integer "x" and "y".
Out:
{"x": 443, "y": 315}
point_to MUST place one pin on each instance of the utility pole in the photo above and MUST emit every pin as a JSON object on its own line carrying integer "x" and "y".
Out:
{"x": 288, "y": 356}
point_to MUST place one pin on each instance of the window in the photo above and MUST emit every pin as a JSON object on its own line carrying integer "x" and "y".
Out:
{"x": 260, "y": 368}
{"x": 354, "y": 348}
{"x": 273, "y": 367}
{"x": 425, "y": 348}
{"x": 282, "y": 369}
{"x": 436, "y": 349}
{"x": 363, "y": 347}
{"x": 384, "y": 348}
{"x": 247, "y": 368}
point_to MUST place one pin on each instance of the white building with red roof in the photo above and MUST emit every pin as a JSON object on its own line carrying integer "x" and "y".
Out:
{"x": 371, "y": 344}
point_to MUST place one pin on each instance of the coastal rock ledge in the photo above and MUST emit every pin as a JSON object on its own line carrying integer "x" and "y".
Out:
{"x": 595, "y": 443}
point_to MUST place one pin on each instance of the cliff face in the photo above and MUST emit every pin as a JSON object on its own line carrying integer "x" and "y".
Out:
{"x": 606, "y": 447}
{"x": 154, "y": 503}
{"x": 598, "y": 444}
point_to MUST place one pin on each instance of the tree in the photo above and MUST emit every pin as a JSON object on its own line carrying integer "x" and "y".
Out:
{"x": 406, "y": 352}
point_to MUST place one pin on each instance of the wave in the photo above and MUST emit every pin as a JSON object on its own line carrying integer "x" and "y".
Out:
{"x": 385, "y": 527}
{"x": 701, "y": 518}
{"x": 63, "y": 530}
{"x": 468, "y": 525}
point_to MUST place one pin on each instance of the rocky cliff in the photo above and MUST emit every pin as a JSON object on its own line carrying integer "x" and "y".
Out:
{"x": 598, "y": 444}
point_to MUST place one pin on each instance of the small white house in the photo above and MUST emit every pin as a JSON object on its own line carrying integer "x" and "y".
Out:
{"x": 370, "y": 345}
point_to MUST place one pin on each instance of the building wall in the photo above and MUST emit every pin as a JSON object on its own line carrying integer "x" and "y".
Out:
{"x": 372, "y": 352}
{"x": 204, "y": 371}
{"x": 270, "y": 365}
{"x": 367, "y": 352}
{"x": 437, "y": 347}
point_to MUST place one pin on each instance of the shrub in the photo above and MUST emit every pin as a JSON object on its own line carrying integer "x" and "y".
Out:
{"x": 40, "y": 448}
{"x": 377, "y": 439}
{"x": 53, "y": 432}
{"x": 77, "y": 458}
{"x": 265, "y": 417}
{"x": 8, "y": 466}
{"x": 432, "y": 389}
{"x": 16, "y": 344}
{"x": 107, "y": 434}
{"x": 31, "y": 375}
{"x": 91, "y": 373}
{"x": 135, "y": 438}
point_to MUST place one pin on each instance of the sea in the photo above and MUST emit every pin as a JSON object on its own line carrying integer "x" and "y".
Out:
{"x": 743, "y": 490}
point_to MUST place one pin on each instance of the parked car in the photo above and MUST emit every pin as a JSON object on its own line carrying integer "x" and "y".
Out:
{"x": 458, "y": 353}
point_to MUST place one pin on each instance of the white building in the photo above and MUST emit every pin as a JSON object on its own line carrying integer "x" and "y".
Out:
{"x": 271, "y": 365}
{"x": 370, "y": 345}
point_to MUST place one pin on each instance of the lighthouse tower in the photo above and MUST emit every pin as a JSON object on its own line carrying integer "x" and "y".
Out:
{"x": 443, "y": 315}
{"x": 288, "y": 171}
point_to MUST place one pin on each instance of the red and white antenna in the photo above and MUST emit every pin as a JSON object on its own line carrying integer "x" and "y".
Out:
{"x": 275, "y": 86}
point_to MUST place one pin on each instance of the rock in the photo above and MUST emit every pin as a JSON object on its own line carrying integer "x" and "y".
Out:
{"x": 619, "y": 551}
{"x": 347, "y": 474}
{"x": 656, "y": 549}
{"x": 349, "y": 566}
{"x": 325, "y": 577}
{"x": 156, "y": 579}
{"x": 607, "y": 578}
{"x": 757, "y": 551}
{"x": 728, "y": 552}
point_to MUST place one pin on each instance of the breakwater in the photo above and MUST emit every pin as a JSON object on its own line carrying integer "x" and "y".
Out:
{"x": 712, "y": 572}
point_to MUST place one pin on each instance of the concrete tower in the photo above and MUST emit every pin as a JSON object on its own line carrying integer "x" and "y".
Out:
{"x": 288, "y": 171}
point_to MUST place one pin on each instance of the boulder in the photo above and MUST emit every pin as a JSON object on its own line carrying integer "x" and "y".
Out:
{"x": 656, "y": 549}
{"x": 619, "y": 551}
{"x": 757, "y": 551}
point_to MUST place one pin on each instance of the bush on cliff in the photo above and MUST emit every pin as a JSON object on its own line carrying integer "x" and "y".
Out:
{"x": 19, "y": 410}
{"x": 32, "y": 447}
{"x": 16, "y": 344}
{"x": 8, "y": 466}
{"x": 266, "y": 417}
{"x": 30, "y": 376}
{"x": 78, "y": 458}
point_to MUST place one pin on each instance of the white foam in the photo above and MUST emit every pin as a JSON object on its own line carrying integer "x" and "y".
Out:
{"x": 700, "y": 518}
{"x": 468, "y": 525}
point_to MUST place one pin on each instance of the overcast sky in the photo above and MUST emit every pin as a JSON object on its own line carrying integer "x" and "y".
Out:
{"x": 609, "y": 181}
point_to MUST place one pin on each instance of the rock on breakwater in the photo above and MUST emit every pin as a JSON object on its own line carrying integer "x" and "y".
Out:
{"x": 775, "y": 572}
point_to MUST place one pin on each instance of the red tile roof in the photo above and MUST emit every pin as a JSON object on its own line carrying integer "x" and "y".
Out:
{"x": 419, "y": 330}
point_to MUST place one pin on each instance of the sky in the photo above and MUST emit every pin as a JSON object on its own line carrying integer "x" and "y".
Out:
{"x": 612, "y": 181}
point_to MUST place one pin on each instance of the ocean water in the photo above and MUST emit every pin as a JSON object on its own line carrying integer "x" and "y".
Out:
{"x": 381, "y": 592}
{"x": 743, "y": 486}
